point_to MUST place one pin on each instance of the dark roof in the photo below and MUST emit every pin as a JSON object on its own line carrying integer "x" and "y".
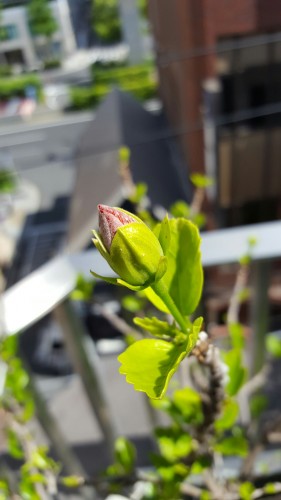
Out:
{"x": 155, "y": 159}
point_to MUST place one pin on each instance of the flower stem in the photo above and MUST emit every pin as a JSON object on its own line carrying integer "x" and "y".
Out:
{"x": 160, "y": 289}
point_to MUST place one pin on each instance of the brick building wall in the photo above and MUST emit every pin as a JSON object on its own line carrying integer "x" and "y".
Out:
{"x": 186, "y": 33}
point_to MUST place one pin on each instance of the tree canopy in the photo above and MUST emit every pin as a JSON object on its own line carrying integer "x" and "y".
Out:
{"x": 41, "y": 19}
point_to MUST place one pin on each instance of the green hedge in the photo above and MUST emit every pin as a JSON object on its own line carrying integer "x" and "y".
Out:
{"x": 84, "y": 98}
{"x": 15, "y": 87}
{"x": 122, "y": 74}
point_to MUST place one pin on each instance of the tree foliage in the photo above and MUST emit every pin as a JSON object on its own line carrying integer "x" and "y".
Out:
{"x": 105, "y": 20}
{"x": 41, "y": 19}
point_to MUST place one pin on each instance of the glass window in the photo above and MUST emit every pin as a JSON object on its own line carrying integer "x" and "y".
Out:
{"x": 8, "y": 32}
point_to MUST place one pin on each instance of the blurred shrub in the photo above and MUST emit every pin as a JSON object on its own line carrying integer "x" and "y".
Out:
{"x": 137, "y": 80}
{"x": 5, "y": 70}
{"x": 16, "y": 87}
{"x": 119, "y": 74}
{"x": 52, "y": 63}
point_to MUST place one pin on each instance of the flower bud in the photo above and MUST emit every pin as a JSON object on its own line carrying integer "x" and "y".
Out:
{"x": 129, "y": 246}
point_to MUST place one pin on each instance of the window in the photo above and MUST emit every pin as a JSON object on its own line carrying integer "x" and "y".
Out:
{"x": 8, "y": 32}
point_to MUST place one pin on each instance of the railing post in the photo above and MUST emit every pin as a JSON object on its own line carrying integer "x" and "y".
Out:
{"x": 259, "y": 314}
{"x": 86, "y": 363}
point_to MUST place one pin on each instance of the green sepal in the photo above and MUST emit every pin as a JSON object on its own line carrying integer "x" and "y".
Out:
{"x": 112, "y": 281}
{"x": 135, "y": 288}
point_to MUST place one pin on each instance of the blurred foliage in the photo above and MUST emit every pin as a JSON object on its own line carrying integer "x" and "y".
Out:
{"x": 106, "y": 20}
{"x": 41, "y": 19}
{"x": 7, "y": 181}
{"x": 138, "y": 80}
{"x": 16, "y": 86}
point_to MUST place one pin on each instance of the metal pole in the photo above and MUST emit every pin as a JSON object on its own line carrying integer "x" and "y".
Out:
{"x": 259, "y": 314}
{"x": 86, "y": 362}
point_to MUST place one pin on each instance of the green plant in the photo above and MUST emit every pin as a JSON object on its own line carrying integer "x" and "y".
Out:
{"x": 205, "y": 418}
{"x": 105, "y": 20}
{"x": 16, "y": 87}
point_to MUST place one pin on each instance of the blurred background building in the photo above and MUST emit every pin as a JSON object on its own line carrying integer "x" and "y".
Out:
{"x": 220, "y": 80}
{"x": 19, "y": 47}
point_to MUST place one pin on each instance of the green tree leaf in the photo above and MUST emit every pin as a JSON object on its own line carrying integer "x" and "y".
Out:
{"x": 236, "y": 334}
{"x": 125, "y": 454}
{"x": 233, "y": 445}
{"x": 83, "y": 289}
{"x": 174, "y": 443}
{"x": 180, "y": 209}
{"x": 184, "y": 275}
{"x": 158, "y": 328}
{"x": 149, "y": 364}
{"x": 258, "y": 404}
{"x": 189, "y": 404}
{"x": 72, "y": 481}
{"x": 14, "y": 445}
{"x": 229, "y": 415}
{"x": 237, "y": 372}
{"x": 201, "y": 181}
{"x": 245, "y": 490}
{"x": 273, "y": 345}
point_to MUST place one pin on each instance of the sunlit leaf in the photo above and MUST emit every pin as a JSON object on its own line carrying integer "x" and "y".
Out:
{"x": 174, "y": 443}
{"x": 180, "y": 209}
{"x": 237, "y": 372}
{"x": 149, "y": 364}
{"x": 72, "y": 481}
{"x": 184, "y": 275}
{"x": 245, "y": 490}
{"x": 229, "y": 415}
{"x": 273, "y": 345}
{"x": 14, "y": 445}
{"x": 233, "y": 445}
{"x": 201, "y": 181}
{"x": 189, "y": 403}
{"x": 157, "y": 327}
{"x": 132, "y": 303}
{"x": 125, "y": 454}
{"x": 237, "y": 335}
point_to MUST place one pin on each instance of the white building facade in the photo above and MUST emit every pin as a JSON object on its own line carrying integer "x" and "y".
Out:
{"x": 19, "y": 47}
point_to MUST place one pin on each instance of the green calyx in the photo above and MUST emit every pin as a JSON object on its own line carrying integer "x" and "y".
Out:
{"x": 136, "y": 256}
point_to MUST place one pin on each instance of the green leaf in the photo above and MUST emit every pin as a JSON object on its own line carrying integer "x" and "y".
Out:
{"x": 9, "y": 347}
{"x": 158, "y": 328}
{"x": 125, "y": 454}
{"x": 132, "y": 303}
{"x": 83, "y": 289}
{"x": 174, "y": 443}
{"x": 124, "y": 154}
{"x": 237, "y": 336}
{"x": 199, "y": 219}
{"x": 149, "y": 364}
{"x": 229, "y": 415}
{"x": 188, "y": 403}
{"x": 202, "y": 462}
{"x": 184, "y": 275}
{"x": 258, "y": 403}
{"x": 273, "y": 345}
{"x": 140, "y": 192}
{"x": 201, "y": 181}
{"x": 233, "y": 445}
{"x": 245, "y": 490}
{"x": 237, "y": 372}
{"x": 270, "y": 488}
{"x": 163, "y": 234}
{"x": 180, "y": 209}
{"x": 72, "y": 481}
{"x": 14, "y": 445}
